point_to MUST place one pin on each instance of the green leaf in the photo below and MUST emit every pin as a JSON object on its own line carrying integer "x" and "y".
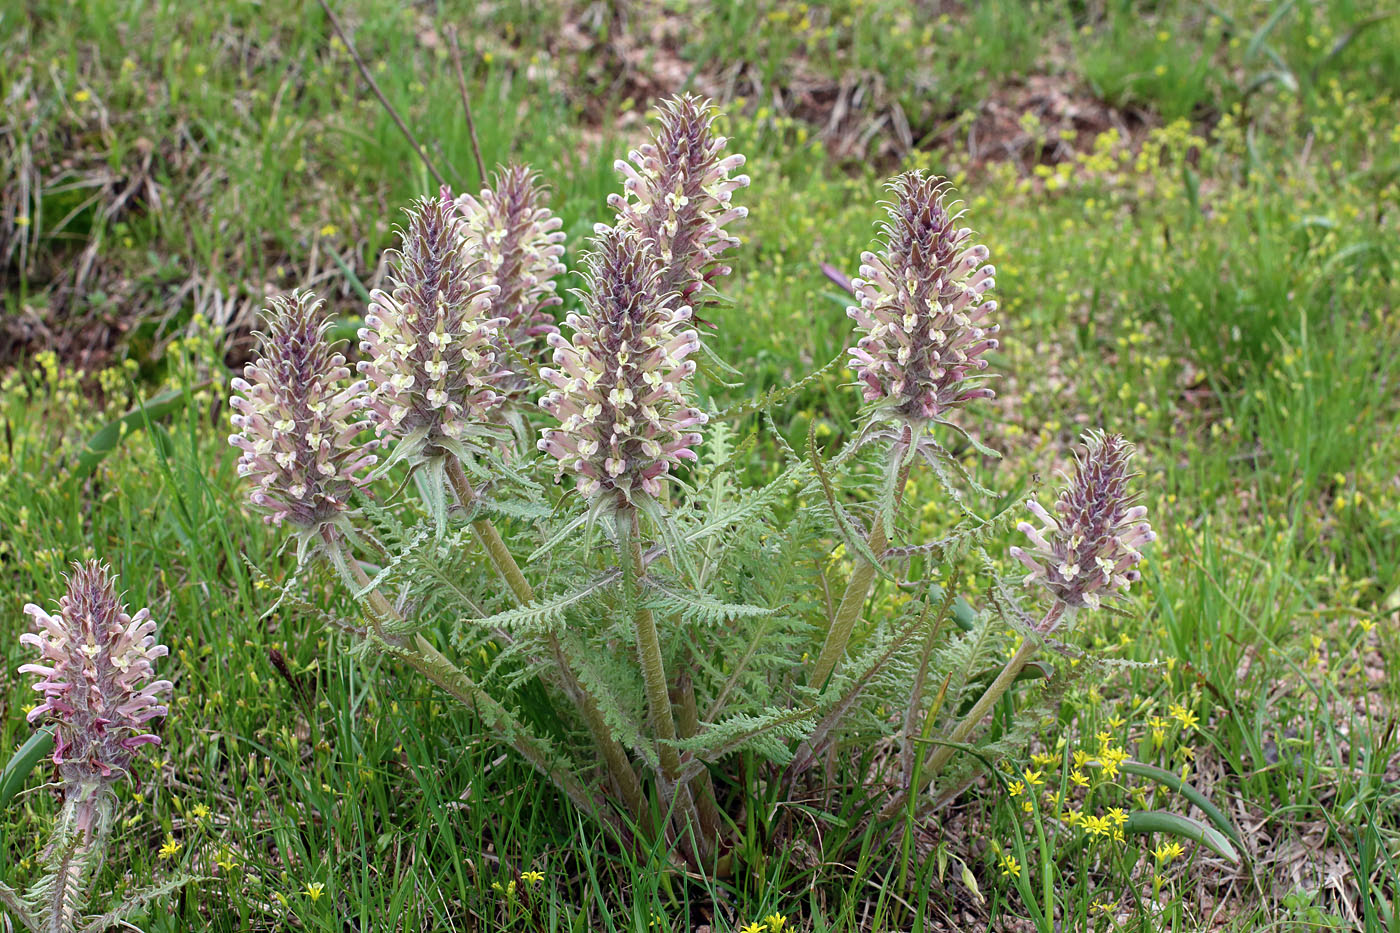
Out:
{"x": 545, "y": 613}
{"x": 854, "y": 541}
{"x": 110, "y": 434}
{"x": 694, "y": 606}
{"x": 21, "y": 764}
{"x": 1167, "y": 778}
{"x": 780, "y": 394}
{"x": 1174, "y": 824}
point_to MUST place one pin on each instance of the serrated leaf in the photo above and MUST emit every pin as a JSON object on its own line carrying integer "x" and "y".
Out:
{"x": 544, "y": 614}
{"x": 777, "y": 395}
{"x": 694, "y": 606}
{"x": 855, "y": 542}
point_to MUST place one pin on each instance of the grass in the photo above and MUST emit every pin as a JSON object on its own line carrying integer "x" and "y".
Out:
{"x": 1217, "y": 281}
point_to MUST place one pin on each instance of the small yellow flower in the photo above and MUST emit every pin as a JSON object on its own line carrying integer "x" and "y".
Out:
{"x": 329, "y": 230}
{"x": 225, "y": 860}
{"x": 1186, "y": 717}
{"x": 754, "y": 927}
{"x": 1118, "y": 815}
{"x": 1015, "y": 788}
{"x": 775, "y": 922}
{"x": 1033, "y": 778}
{"x": 1009, "y": 866}
{"x": 532, "y": 877}
{"x": 314, "y": 890}
{"x": 1167, "y": 852}
{"x": 1078, "y": 778}
{"x": 200, "y": 813}
{"x": 1097, "y": 826}
{"x": 171, "y": 847}
{"x": 83, "y": 96}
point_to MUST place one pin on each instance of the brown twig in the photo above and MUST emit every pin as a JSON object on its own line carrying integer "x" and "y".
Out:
{"x": 466, "y": 104}
{"x": 374, "y": 86}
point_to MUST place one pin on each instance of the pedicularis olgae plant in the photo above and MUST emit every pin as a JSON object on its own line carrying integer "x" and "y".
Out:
{"x": 651, "y": 633}
{"x": 96, "y": 676}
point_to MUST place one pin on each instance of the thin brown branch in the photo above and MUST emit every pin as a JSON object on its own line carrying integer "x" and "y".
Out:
{"x": 466, "y": 104}
{"x": 374, "y": 86}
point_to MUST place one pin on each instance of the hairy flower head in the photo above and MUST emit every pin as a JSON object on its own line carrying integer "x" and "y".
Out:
{"x": 921, "y": 311}
{"x": 298, "y": 419}
{"x": 679, "y": 196}
{"x": 619, "y": 389}
{"x": 431, "y": 356}
{"x": 96, "y": 673}
{"x": 518, "y": 243}
{"x": 1087, "y": 550}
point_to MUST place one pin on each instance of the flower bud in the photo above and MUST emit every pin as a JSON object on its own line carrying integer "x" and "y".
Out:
{"x": 431, "y": 361}
{"x": 96, "y": 673}
{"x": 518, "y": 243}
{"x": 679, "y": 197}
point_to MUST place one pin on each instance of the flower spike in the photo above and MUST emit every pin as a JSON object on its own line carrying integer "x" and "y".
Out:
{"x": 96, "y": 673}
{"x": 431, "y": 357}
{"x": 679, "y": 197}
{"x": 298, "y": 420}
{"x": 619, "y": 389}
{"x": 921, "y": 308}
{"x": 519, "y": 244}
{"x": 1088, "y": 549}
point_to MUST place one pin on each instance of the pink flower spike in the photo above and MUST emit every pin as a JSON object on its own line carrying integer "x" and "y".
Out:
{"x": 921, "y": 315}
{"x": 1088, "y": 549}
{"x": 96, "y": 677}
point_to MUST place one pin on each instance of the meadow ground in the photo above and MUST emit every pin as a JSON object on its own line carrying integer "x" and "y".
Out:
{"x": 1195, "y": 215}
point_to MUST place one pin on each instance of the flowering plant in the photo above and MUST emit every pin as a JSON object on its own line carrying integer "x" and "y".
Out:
{"x": 675, "y": 626}
{"x": 96, "y": 674}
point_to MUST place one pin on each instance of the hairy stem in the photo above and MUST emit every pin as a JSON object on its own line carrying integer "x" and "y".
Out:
{"x": 848, "y": 612}
{"x": 1029, "y": 645}
{"x": 688, "y": 723}
{"x": 438, "y": 669}
{"x": 619, "y": 767}
{"x": 838, "y": 634}
{"x": 648, "y": 646}
{"x": 653, "y": 670}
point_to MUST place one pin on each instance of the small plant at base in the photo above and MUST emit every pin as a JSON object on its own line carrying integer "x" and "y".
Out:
{"x": 96, "y": 673}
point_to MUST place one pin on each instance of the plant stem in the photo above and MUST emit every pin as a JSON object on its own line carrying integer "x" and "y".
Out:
{"x": 838, "y": 635}
{"x": 432, "y": 664}
{"x": 619, "y": 767}
{"x": 1029, "y": 645}
{"x": 649, "y": 656}
{"x": 689, "y": 725}
{"x": 648, "y": 645}
{"x": 485, "y": 531}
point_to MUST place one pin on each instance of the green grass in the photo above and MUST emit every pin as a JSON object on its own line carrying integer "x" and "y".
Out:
{"x": 1221, "y": 286}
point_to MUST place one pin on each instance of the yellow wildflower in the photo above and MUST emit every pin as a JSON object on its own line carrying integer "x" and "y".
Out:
{"x": 1167, "y": 852}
